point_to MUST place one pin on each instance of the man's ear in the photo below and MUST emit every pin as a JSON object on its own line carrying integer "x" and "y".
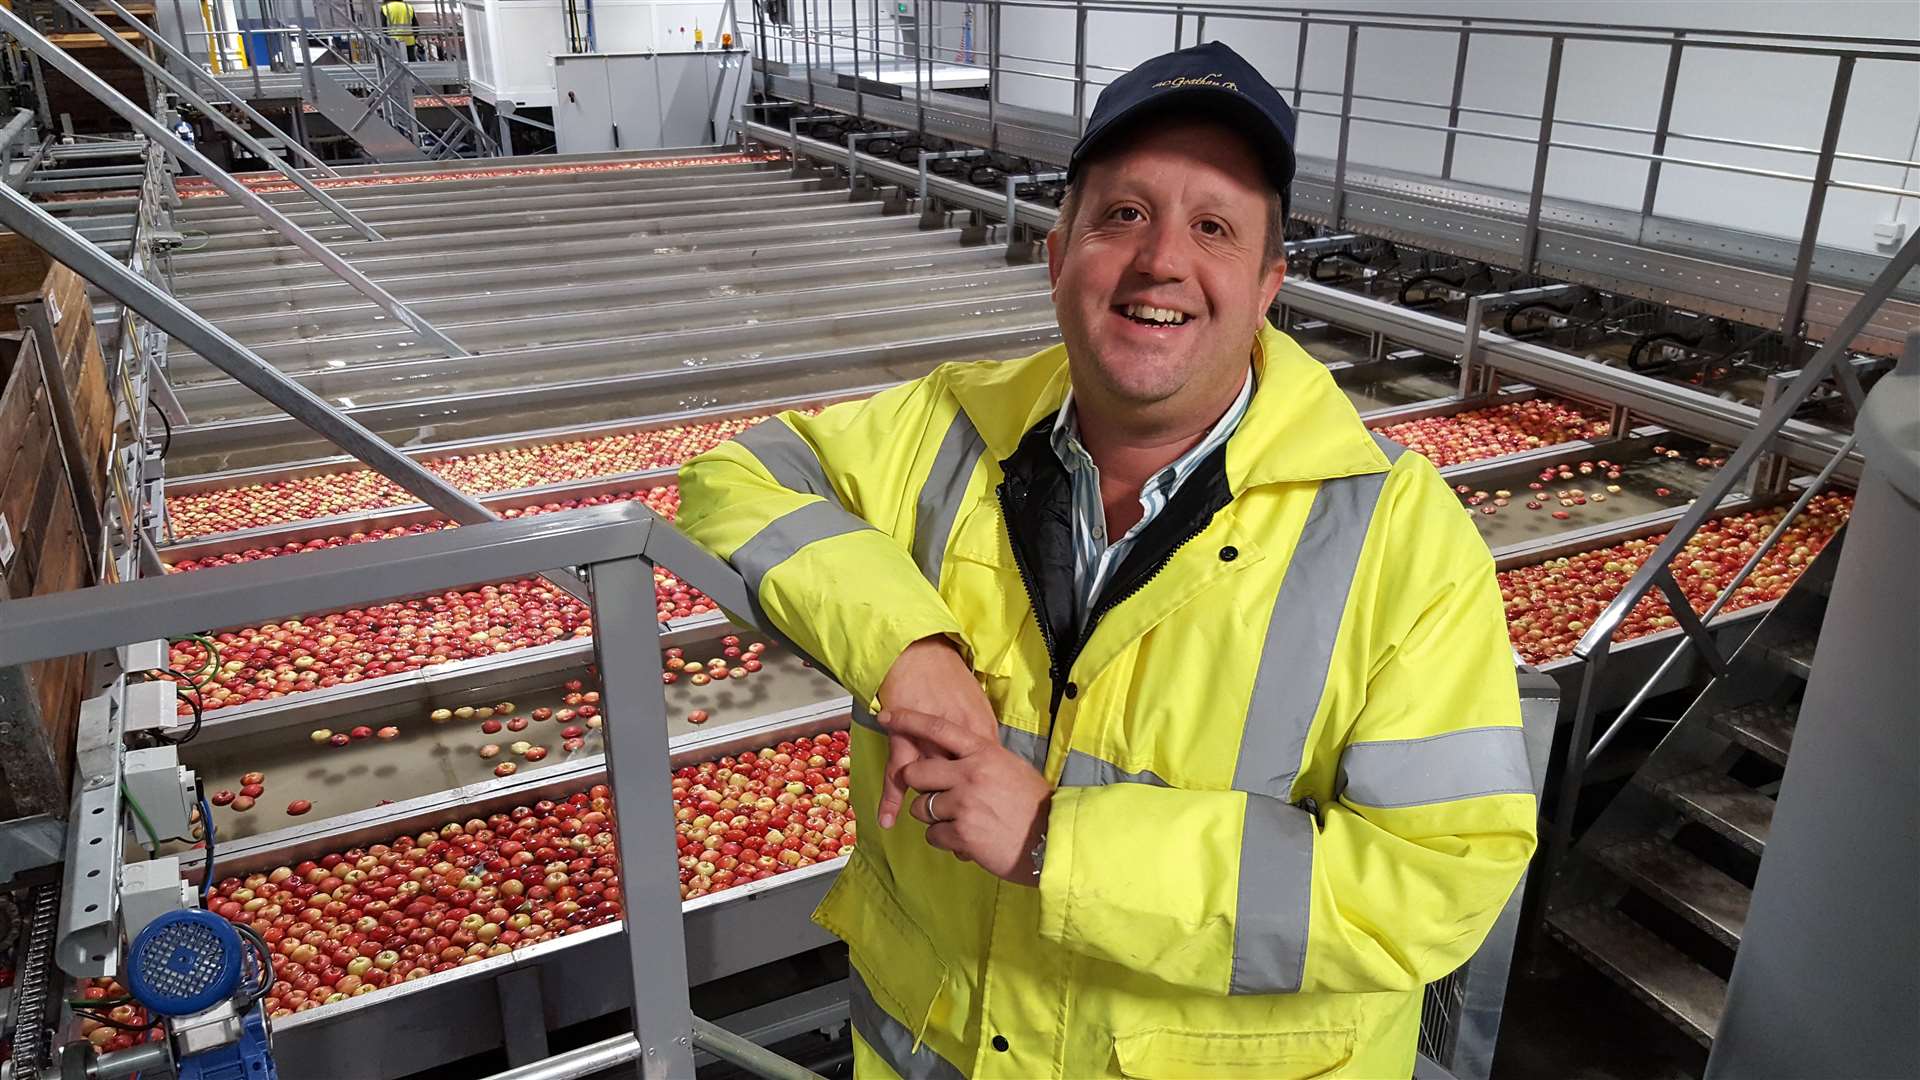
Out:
{"x": 1056, "y": 255}
{"x": 1271, "y": 280}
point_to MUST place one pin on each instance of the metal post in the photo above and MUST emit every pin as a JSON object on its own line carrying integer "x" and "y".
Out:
{"x": 1179, "y": 26}
{"x": 636, "y": 736}
{"x": 1660, "y": 127}
{"x": 1300, "y": 58}
{"x": 153, "y": 129}
{"x": 806, "y": 51}
{"x": 1200, "y": 29}
{"x": 760, "y": 47}
{"x": 1346, "y": 128}
{"x": 919, "y": 46}
{"x": 219, "y": 119}
{"x": 1530, "y": 242}
{"x": 1816, "y": 202}
{"x": 993, "y": 77}
{"x": 1079, "y": 67}
{"x": 64, "y": 245}
{"x": 859, "y": 107}
{"x": 1453, "y": 102}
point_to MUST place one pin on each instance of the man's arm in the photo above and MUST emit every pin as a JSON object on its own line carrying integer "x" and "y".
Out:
{"x": 817, "y": 513}
{"x": 1395, "y": 883}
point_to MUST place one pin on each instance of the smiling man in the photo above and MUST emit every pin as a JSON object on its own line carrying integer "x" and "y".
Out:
{"x": 1197, "y": 697}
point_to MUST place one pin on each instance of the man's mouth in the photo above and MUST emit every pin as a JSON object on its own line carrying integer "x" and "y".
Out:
{"x": 1148, "y": 315}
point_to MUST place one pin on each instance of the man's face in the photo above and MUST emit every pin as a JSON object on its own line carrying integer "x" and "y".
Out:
{"x": 1161, "y": 283}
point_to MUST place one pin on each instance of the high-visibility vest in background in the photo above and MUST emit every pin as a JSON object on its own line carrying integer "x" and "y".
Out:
{"x": 1290, "y": 784}
{"x": 399, "y": 16}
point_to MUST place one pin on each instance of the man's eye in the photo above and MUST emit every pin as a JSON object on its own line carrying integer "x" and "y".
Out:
{"x": 1212, "y": 228}
{"x": 1127, "y": 213}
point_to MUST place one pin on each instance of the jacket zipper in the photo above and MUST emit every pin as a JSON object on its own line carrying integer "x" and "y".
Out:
{"x": 1057, "y": 676}
{"x": 1033, "y": 597}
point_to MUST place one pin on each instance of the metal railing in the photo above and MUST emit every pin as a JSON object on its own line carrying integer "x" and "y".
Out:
{"x": 377, "y": 60}
{"x": 619, "y": 547}
{"x": 871, "y": 50}
{"x": 1596, "y": 642}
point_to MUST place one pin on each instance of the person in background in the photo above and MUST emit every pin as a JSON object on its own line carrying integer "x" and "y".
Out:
{"x": 1197, "y": 696}
{"x": 399, "y": 19}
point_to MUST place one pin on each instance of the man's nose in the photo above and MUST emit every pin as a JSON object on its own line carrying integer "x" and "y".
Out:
{"x": 1165, "y": 253}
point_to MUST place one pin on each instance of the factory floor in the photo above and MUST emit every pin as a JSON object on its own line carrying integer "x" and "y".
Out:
{"x": 1566, "y": 1021}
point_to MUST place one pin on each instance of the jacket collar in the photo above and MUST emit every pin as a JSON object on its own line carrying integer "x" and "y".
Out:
{"x": 1299, "y": 427}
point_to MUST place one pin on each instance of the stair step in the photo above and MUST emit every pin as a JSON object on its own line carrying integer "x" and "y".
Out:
{"x": 1766, "y": 728}
{"x": 1723, "y": 804}
{"x": 1690, "y": 887}
{"x": 1794, "y": 656}
{"x": 1688, "y": 995}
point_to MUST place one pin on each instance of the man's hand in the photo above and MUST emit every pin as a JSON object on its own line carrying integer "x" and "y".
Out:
{"x": 981, "y": 802}
{"x": 929, "y": 677}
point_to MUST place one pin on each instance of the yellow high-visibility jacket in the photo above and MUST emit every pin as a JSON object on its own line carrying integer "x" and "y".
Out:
{"x": 1291, "y": 782}
{"x": 398, "y": 16}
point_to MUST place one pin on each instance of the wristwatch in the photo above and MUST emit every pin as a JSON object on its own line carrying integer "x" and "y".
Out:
{"x": 1038, "y": 856}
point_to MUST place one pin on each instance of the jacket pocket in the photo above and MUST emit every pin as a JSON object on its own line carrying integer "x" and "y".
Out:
{"x": 896, "y": 959}
{"x": 1162, "y": 1054}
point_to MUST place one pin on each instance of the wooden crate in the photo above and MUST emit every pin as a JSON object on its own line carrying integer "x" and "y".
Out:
{"x": 40, "y": 705}
{"x": 28, "y": 277}
{"x": 41, "y": 502}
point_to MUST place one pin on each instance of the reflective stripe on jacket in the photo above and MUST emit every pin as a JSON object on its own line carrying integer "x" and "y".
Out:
{"x": 1291, "y": 784}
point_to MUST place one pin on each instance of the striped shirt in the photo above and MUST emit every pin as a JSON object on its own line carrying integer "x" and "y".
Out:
{"x": 1094, "y": 559}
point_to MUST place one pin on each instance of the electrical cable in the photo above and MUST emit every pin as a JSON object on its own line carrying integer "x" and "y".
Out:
{"x": 206, "y": 869}
{"x": 1513, "y": 314}
{"x": 1429, "y": 300}
{"x": 188, "y": 691}
{"x": 153, "y": 836}
{"x": 213, "y": 655}
{"x": 1636, "y": 356}
{"x": 103, "y": 1019}
{"x": 166, "y": 428}
{"x": 1313, "y": 268}
{"x": 265, "y": 952}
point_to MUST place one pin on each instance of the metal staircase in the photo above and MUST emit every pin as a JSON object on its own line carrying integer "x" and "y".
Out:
{"x": 1657, "y": 891}
{"x": 371, "y": 93}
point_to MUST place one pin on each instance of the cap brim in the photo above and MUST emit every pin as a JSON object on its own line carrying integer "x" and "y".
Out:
{"x": 1270, "y": 140}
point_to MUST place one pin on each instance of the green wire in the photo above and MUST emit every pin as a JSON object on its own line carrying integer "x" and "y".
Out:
{"x": 213, "y": 654}
{"x": 153, "y": 837}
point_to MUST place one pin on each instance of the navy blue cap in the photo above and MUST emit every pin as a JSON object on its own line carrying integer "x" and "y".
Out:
{"x": 1204, "y": 79}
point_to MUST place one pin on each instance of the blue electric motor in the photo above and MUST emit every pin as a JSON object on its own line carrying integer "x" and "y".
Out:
{"x": 187, "y": 962}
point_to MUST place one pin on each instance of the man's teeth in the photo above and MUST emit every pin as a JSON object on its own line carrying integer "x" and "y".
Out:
{"x": 1155, "y": 314}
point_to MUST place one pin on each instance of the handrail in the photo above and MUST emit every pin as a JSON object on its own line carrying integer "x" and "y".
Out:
{"x": 803, "y": 42}
{"x": 1596, "y": 643}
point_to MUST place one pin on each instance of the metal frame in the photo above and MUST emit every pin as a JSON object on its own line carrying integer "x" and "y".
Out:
{"x": 618, "y": 543}
{"x": 1596, "y": 643}
{"x": 86, "y": 259}
{"x": 158, "y": 132}
{"x": 219, "y": 119}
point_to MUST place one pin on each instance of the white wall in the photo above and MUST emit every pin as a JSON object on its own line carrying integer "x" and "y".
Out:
{"x": 1747, "y": 95}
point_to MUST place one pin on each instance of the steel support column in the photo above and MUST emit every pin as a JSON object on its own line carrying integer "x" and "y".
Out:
{"x": 626, "y": 636}
{"x": 1530, "y": 240}
{"x": 1796, "y": 308}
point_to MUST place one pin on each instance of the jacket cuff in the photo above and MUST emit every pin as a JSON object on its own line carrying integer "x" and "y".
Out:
{"x": 1056, "y": 871}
